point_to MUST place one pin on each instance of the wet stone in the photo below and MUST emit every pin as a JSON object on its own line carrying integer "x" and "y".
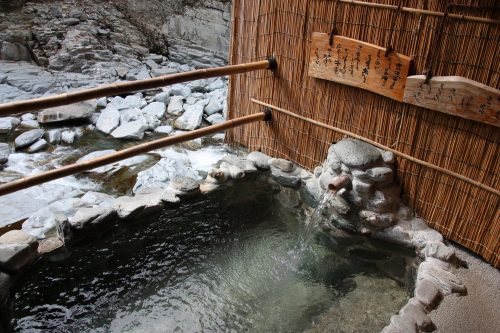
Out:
{"x": 427, "y": 293}
{"x": 261, "y": 160}
{"x": 16, "y": 256}
{"x": 38, "y": 146}
{"x": 184, "y": 184}
{"x": 28, "y": 138}
{"x": 4, "y": 152}
{"x": 283, "y": 165}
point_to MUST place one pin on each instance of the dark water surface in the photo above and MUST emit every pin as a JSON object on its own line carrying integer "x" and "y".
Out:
{"x": 228, "y": 262}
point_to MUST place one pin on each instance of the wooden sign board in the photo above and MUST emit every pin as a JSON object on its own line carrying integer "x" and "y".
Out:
{"x": 455, "y": 95}
{"x": 359, "y": 64}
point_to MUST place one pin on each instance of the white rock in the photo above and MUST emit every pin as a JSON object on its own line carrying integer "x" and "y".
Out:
{"x": 7, "y": 124}
{"x": 262, "y": 161}
{"x": 175, "y": 107}
{"x": 217, "y": 84}
{"x": 156, "y": 109}
{"x": 180, "y": 90}
{"x": 163, "y": 97}
{"x": 164, "y": 129}
{"x": 76, "y": 111}
{"x": 129, "y": 102}
{"x": 102, "y": 102}
{"x": 151, "y": 121}
{"x": 29, "y": 123}
{"x": 37, "y": 146}
{"x": 45, "y": 222}
{"x": 53, "y": 136}
{"x": 108, "y": 120}
{"x": 28, "y": 116}
{"x": 191, "y": 118}
{"x": 174, "y": 164}
{"x": 97, "y": 199}
{"x": 129, "y": 115}
{"x": 216, "y": 118}
{"x": 28, "y": 138}
{"x": 214, "y": 105}
{"x": 132, "y": 130}
{"x": 68, "y": 137}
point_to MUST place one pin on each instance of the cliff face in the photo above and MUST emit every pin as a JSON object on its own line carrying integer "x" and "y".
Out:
{"x": 73, "y": 35}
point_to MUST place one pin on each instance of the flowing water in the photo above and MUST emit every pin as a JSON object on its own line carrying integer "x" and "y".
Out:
{"x": 228, "y": 262}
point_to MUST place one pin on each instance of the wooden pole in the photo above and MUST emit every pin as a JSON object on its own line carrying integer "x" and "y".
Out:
{"x": 18, "y": 107}
{"x": 71, "y": 169}
{"x": 423, "y": 11}
{"x": 376, "y": 144}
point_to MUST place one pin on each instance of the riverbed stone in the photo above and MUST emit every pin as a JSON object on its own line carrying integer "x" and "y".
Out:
{"x": 133, "y": 130}
{"x": 180, "y": 90}
{"x": 7, "y": 124}
{"x": 163, "y": 97}
{"x": 140, "y": 205}
{"x": 156, "y": 109}
{"x": 215, "y": 105}
{"x": 164, "y": 129}
{"x": 108, "y": 120}
{"x": 97, "y": 154}
{"x": 216, "y": 118}
{"x": 356, "y": 153}
{"x": 68, "y": 137}
{"x": 217, "y": 84}
{"x": 191, "y": 118}
{"x": 176, "y": 105}
{"x": 4, "y": 153}
{"x": 28, "y": 138}
{"x": 77, "y": 111}
{"x": 38, "y": 146}
{"x": 261, "y": 160}
{"x": 53, "y": 136}
{"x": 92, "y": 198}
{"x": 6, "y": 281}
{"x": 129, "y": 102}
{"x": 427, "y": 294}
{"x": 29, "y": 123}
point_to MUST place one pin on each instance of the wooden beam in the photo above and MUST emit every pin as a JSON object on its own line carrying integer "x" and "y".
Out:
{"x": 423, "y": 11}
{"x": 71, "y": 169}
{"x": 18, "y": 107}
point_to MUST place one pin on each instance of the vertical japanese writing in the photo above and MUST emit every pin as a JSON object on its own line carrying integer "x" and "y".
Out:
{"x": 397, "y": 75}
{"x": 366, "y": 69}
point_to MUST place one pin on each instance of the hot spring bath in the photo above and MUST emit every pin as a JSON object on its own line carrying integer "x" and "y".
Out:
{"x": 231, "y": 261}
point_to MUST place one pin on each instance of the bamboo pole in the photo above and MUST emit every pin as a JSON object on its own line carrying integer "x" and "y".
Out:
{"x": 23, "y": 106}
{"x": 376, "y": 144}
{"x": 71, "y": 169}
{"x": 423, "y": 11}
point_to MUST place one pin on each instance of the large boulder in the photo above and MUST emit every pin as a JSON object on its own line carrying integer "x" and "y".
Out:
{"x": 83, "y": 110}
{"x": 28, "y": 138}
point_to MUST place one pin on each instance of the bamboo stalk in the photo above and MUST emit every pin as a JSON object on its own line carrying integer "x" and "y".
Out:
{"x": 18, "y": 107}
{"x": 376, "y": 144}
{"x": 423, "y": 11}
{"x": 71, "y": 169}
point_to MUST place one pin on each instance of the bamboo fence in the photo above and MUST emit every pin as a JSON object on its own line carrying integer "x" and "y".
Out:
{"x": 463, "y": 212}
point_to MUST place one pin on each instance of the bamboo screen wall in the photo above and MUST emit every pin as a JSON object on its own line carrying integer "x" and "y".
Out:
{"x": 462, "y": 212}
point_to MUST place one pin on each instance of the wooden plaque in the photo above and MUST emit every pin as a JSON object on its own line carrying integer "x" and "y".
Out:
{"x": 455, "y": 95}
{"x": 359, "y": 64}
